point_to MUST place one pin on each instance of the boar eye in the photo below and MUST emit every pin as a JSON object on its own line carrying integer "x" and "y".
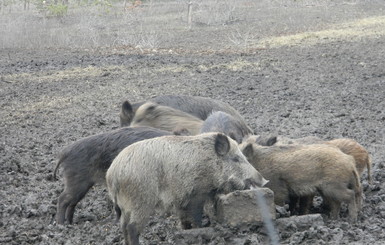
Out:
{"x": 151, "y": 108}
{"x": 236, "y": 159}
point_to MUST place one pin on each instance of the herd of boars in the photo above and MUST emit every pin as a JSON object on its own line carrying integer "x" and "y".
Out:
{"x": 176, "y": 153}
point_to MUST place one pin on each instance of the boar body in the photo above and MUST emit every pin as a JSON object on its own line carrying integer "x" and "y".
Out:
{"x": 85, "y": 163}
{"x": 357, "y": 151}
{"x": 282, "y": 140}
{"x": 305, "y": 170}
{"x": 166, "y": 118}
{"x": 223, "y": 122}
{"x": 346, "y": 145}
{"x": 200, "y": 107}
{"x": 177, "y": 174}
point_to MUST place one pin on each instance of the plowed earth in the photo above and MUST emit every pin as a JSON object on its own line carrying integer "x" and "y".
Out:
{"x": 326, "y": 80}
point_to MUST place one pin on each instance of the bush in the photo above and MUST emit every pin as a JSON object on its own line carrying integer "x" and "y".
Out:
{"x": 57, "y": 10}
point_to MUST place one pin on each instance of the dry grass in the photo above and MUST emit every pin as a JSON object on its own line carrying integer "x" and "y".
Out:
{"x": 77, "y": 72}
{"x": 364, "y": 28}
{"x": 223, "y": 24}
{"x": 236, "y": 65}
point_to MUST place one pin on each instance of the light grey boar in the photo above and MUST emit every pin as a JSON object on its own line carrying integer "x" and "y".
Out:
{"x": 175, "y": 173}
{"x": 166, "y": 118}
{"x": 304, "y": 170}
{"x": 200, "y": 107}
{"x": 223, "y": 122}
{"x": 85, "y": 163}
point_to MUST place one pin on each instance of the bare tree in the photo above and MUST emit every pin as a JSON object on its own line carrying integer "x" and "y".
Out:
{"x": 26, "y": 4}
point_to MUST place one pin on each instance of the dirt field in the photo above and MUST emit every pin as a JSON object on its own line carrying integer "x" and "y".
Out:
{"x": 294, "y": 68}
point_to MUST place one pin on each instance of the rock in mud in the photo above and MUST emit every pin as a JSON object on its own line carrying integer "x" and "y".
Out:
{"x": 196, "y": 236}
{"x": 301, "y": 222}
{"x": 242, "y": 207}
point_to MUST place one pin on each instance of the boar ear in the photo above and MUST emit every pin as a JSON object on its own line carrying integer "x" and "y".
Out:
{"x": 232, "y": 135}
{"x": 127, "y": 108}
{"x": 126, "y": 114}
{"x": 222, "y": 144}
{"x": 181, "y": 132}
{"x": 151, "y": 107}
{"x": 248, "y": 150}
{"x": 266, "y": 140}
{"x": 271, "y": 141}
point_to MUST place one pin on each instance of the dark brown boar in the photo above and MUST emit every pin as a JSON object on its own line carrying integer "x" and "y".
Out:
{"x": 85, "y": 163}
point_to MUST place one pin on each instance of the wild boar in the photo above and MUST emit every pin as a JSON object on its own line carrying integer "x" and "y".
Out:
{"x": 304, "y": 170}
{"x": 347, "y": 146}
{"x": 175, "y": 173}
{"x": 282, "y": 140}
{"x": 85, "y": 163}
{"x": 263, "y": 140}
{"x": 165, "y": 118}
{"x": 357, "y": 151}
{"x": 200, "y": 107}
{"x": 223, "y": 122}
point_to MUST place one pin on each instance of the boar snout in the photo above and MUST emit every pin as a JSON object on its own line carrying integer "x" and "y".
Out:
{"x": 232, "y": 184}
{"x": 249, "y": 183}
{"x": 252, "y": 183}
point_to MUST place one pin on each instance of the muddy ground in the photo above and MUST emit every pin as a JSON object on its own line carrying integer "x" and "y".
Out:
{"x": 295, "y": 68}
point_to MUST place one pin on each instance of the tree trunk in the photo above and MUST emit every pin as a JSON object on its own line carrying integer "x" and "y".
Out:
{"x": 189, "y": 15}
{"x": 26, "y": 4}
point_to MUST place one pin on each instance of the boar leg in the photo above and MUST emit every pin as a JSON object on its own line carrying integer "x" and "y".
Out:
{"x": 353, "y": 203}
{"x": 300, "y": 205}
{"x": 358, "y": 197}
{"x": 338, "y": 194}
{"x": 334, "y": 205}
{"x": 293, "y": 204}
{"x": 62, "y": 205}
{"x": 353, "y": 212}
{"x": 305, "y": 204}
{"x": 67, "y": 201}
{"x": 133, "y": 219}
{"x": 130, "y": 232}
{"x": 191, "y": 215}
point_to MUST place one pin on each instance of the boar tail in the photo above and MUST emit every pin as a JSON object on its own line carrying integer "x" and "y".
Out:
{"x": 356, "y": 179}
{"x": 56, "y": 168}
{"x": 369, "y": 167}
{"x": 358, "y": 189}
{"x": 118, "y": 211}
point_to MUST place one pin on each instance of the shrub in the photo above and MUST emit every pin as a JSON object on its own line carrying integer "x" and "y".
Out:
{"x": 57, "y": 10}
